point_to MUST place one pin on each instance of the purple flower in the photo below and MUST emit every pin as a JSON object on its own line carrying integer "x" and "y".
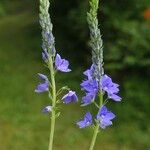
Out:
{"x": 47, "y": 109}
{"x": 89, "y": 72}
{"x": 89, "y": 98}
{"x": 42, "y": 77}
{"x": 42, "y": 87}
{"x": 111, "y": 88}
{"x": 87, "y": 121}
{"x": 114, "y": 97}
{"x": 104, "y": 117}
{"x": 90, "y": 86}
{"x": 70, "y": 97}
{"x": 61, "y": 64}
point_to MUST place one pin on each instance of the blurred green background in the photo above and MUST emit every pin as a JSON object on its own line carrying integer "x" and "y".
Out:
{"x": 125, "y": 27}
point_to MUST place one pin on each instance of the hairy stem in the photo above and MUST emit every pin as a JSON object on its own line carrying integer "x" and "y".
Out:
{"x": 52, "y": 73}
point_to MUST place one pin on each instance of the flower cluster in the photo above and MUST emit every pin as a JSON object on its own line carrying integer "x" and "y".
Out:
{"x": 90, "y": 86}
{"x": 93, "y": 88}
{"x": 60, "y": 65}
{"x": 53, "y": 61}
{"x": 103, "y": 117}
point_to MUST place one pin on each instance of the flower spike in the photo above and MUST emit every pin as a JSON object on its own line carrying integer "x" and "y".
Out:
{"x": 97, "y": 85}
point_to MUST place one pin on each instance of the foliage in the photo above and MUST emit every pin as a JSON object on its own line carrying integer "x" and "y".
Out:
{"x": 125, "y": 33}
{"x": 2, "y": 10}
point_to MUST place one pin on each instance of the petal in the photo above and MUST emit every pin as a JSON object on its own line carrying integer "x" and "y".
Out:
{"x": 42, "y": 87}
{"x": 88, "y": 116}
{"x": 106, "y": 80}
{"x": 47, "y": 109}
{"x": 89, "y": 98}
{"x": 66, "y": 99}
{"x": 70, "y": 97}
{"x": 58, "y": 60}
{"x": 112, "y": 89}
{"x": 89, "y": 86}
{"x": 89, "y": 72}
{"x": 64, "y": 66}
{"x": 105, "y": 123}
{"x": 81, "y": 124}
{"x": 114, "y": 97}
{"x": 70, "y": 93}
{"x": 74, "y": 98}
{"x": 61, "y": 64}
{"x": 110, "y": 116}
{"x": 103, "y": 110}
{"x": 42, "y": 76}
{"x": 87, "y": 121}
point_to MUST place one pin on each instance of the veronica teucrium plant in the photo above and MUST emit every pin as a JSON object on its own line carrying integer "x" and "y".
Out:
{"x": 99, "y": 87}
{"x": 55, "y": 64}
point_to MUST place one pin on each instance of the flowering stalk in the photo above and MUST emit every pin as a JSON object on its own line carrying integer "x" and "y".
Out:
{"x": 54, "y": 63}
{"x": 51, "y": 68}
{"x": 97, "y": 84}
{"x": 96, "y": 42}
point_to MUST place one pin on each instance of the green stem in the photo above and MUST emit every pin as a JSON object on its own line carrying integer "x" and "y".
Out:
{"x": 53, "y": 104}
{"x": 96, "y": 129}
{"x": 101, "y": 99}
{"x": 94, "y": 137}
{"x": 52, "y": 131}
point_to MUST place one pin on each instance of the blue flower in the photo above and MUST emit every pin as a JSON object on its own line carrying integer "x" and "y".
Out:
{"x": 70, "y": 97}
{"x": 114, "y": 97}
{"x": 87, "y": 121}
{"x": 42, "y": 77}
{"x": 47, "y": 109}
{"x": 90, "y": 86}
{"x": 104, "y": 117}
{"x": 89, "y": 98}
{"x": 111, "y": 88}
{"x": 42, "y": 87}
{"x": 89, "y": 72}
{"x": 61, "y": 64}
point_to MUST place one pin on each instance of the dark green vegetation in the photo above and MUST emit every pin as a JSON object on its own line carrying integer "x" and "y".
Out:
{"x": 126, "y": 44}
